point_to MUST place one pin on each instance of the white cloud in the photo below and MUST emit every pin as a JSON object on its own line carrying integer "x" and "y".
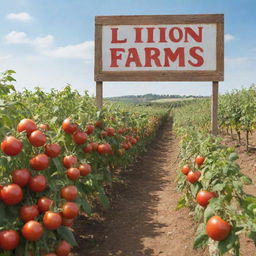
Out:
{"x": 17, "y": 38}
{"x": 22, "y": 38}
{"x": 84, "y": 50}
{"x": 228, "y": 38}
{"x": 43, "y": 42}
{"x": 44, "y": 45}
{"x": 22, "y": 16}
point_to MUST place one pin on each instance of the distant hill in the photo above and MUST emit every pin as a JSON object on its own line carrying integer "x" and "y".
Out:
{"x": 152, "y": 98}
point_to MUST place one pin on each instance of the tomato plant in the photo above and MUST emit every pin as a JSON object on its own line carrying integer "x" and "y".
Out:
{"x": 58, "y": 154}
{"x": 220, "y": 206}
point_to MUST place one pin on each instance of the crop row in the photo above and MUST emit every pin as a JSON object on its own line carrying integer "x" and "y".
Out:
{"x": 237, "y": 112}
{"x": 58, "y": 153}
{"x": 213, "y": 186}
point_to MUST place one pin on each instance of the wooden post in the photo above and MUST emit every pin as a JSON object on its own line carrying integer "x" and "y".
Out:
{"x": 214, "y": 113}
{"x": 99, "y": 94}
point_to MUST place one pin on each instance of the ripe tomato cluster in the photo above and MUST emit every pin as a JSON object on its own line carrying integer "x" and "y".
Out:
{"x": 47, "y": 183}
{"x": 28, "y": 190}
{"x": 216, "y": 228}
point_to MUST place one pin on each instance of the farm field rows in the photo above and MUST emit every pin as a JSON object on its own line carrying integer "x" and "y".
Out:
{"x": 65, "y": 162}
{"x": 58, "y": 153}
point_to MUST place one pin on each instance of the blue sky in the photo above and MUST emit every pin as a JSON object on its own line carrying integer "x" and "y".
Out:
{"x": 49, "y": 43}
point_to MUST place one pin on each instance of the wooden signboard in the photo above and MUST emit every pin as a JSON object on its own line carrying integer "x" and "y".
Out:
{"x": 160, "y": 48}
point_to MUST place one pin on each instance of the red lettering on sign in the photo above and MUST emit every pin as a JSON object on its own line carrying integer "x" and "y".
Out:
{"x": 172, "y": 35}
{"x": 152, "y": 54}
{"x": 193, "y": 34}
{"x": 173, "y": 56}
{"x": 115, "y": 56}
{"x": 133, "y": 56}
{"x": 150, "y": 35}
{"x": 115, "y": 39}
{"x": 138, "y": 35}
{"x": 193, "y": 53}
{"x": 162, "y": 35}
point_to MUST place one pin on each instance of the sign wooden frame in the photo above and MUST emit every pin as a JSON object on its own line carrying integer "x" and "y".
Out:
{"x": 171, "y": 75}
{"x": 191, "y": 75}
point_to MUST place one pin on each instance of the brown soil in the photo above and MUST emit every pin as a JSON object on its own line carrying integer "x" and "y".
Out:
{"x": 142, "y": 220}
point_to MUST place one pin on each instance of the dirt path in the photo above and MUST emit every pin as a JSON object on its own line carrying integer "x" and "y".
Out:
{"x": 142, "y": 220}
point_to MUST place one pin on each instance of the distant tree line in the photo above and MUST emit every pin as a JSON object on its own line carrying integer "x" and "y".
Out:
{"x": 150, "y": 97}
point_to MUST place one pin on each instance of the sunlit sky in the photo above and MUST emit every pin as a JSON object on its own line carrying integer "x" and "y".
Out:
{"x": 50, "y": 43}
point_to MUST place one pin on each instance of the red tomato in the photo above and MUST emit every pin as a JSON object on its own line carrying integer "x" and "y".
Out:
{"x": 103, "y": 149}
{"x": 108, "y": 148}
{"x": 37, "y": 183}
{"x": 110, "y": 131}
{"x": 133, "y": 141}
{"x": 52, "y": 220}
{"x": 129, "y": 145}
{"x": 9, "y": 239}
{"x": 85, "y": 169}
{"x": 193, "y": 177}
{"x": 217, "y": 228}
{"x": 88, "y": 148}
{"x": 199, "y": 160}
{"x": 204, "y": 196}
{"x": 27, "y": 125}
{"x": 63, "y": 248}
{"x": 67, "y": 222}
{"x": 28, "y": 212}
{"x": 94, "y": 146}
{"x": 89, "y": 129}
{"x": 32, "y": 230}
{"x": 21, "y": 177}
{"x": 39, "y": 162}
{"x": 37, "y": 138}
{"x": 69, "y": 193}
{"x": 11, "y": 194}
{"x": 120, "y": 131}
{"x": 70, "y": 210}
{"x": 44, "y": 204}
{"x": 11, "y": 146}
{"x": 73, "y": 173}
{"x": 79, "y": 137}
{"x": 44, "y": 127}
{"x": 125, "y": 146}
{"x": 186, "y": 169}
{"x": 52, "y": 150}
{"x": 98, "y": 124}
{"x": 104, "y": 133}
{"x": 69, "y": 161}
{"x": 68, "y": 126}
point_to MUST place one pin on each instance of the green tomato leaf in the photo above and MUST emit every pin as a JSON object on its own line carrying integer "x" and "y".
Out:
{"x": 201, "y": 237}
{"x": 103, "y": 198}
{"x": 83, "y": 203}
{"x": 67, "y": 235}
{"x": 229, "y": 243}
{"x": 181, "y": 203}
{"x": 195, "y": 188}
{"x": 233, "y": 157}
